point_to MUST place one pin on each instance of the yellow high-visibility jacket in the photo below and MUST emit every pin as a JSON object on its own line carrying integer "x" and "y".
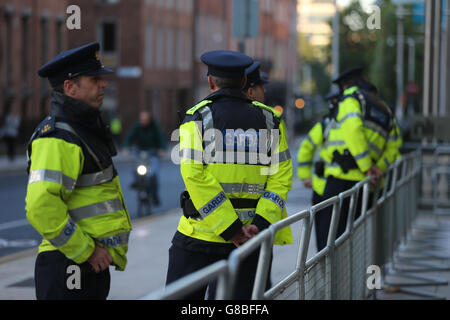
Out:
{"x": 361, "y": 128}
{"x": 305, "y": 157}
{"x": 70, "y": 201}
{"x": 391, "y": 151}
{"x": 213, "y": 182}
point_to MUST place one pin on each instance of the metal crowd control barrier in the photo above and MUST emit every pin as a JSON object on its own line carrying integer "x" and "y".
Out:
{"x": 414, "y": 244}
{"x": 338, "y": 271}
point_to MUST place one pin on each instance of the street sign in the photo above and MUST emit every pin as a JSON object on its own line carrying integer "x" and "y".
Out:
{"x": 245, "y": 18}
{"x": 129, "y": 72}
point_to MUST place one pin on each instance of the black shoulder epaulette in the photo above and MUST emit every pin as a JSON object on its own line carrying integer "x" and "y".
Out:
{"x": 46, "y": 127}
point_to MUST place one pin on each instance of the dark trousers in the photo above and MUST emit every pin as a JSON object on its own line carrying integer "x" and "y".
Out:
{"x": 322, "y": 218}
{"x": 183, "y": 262}
{"x": 53, "y": 275}
{"x": 316, "y": 198}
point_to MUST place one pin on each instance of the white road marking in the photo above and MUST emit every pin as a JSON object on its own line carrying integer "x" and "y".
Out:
{"x": 14, "y": 224}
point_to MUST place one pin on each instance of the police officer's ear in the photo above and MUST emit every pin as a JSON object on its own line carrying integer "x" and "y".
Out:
{"x": 243, "y": 82}
{"x": 249, "y": 93}
{"x": 70, "y": 87}
{"x": 212, "y": 84}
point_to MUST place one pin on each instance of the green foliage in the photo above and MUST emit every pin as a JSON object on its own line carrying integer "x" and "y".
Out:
{"x": 319, "y": 74}
{"x": 376, "y": 49}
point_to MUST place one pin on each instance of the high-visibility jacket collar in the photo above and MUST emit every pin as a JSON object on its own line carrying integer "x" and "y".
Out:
{"x": 350, "y": 90}
{"x": 228, "y": 92}
{"x": 66, "y": 107}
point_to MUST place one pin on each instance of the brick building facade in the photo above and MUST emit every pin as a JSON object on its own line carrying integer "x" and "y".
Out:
{"x": 151, "y": 44}
{"x": 147, "y": 43}
{"x": 31, "y": 32}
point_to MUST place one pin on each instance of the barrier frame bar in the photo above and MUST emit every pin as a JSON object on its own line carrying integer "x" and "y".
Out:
{"x": 399, "y": 182}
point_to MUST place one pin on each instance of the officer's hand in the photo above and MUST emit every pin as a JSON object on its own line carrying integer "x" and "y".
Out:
{"x": 242, "y": 236}
{"x": 374, "y": 171}
{"x": 100, "y": 259}
{"x": 307, "y": 183}
{"x": 252, "y": 230}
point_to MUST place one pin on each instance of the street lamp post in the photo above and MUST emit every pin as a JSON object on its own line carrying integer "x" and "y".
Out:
{"x": 400, "y": 61}
{"x": 335, "y": 42}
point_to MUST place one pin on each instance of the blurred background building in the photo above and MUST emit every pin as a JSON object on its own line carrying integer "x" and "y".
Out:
{"x": 153, "y": 45}
{"x": 155, "y": 48}
{"x": 31, "y": 32}
{"x": 314, "y": 17}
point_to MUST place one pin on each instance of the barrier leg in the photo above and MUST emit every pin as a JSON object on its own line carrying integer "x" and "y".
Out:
{"x": 262, "y": 271}
{"x": 404, "y": 191}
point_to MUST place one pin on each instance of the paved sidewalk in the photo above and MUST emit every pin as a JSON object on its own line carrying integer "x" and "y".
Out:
{"x": 150, "y": 241}
{"x": 429, "y": 237}
{"x": 147, "y": 257}
{"x": 19, "y": 163}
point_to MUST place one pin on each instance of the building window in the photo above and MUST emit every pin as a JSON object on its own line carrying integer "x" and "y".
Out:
{"x": 156, "y": 104}
{"x": 7, "y": 50}
{"x": 184, "y": 5}
{"x": 25, "y": 48}
{"x": 8, "y": 92}
{"x": 170, "y": 52}
{"x": 108, "y": 2}
{"x": 149, "y": 99}
{"x": 44, "y": 58}
{"x": 59, "y": 35}
{"x": 181, "y": 50}
{"x": 24, "y": 54}
{"x": 184, "y": 50}
{"x": 159, "y": 48}
{"x": 268, "y": 47}
{"x": 108, "y": 37}
{"x": 179, "y": 5}
{"x": 44, "y": 39}
{"x": 148, "y": 46}
{"x": 170, "y": 4}
{"x": 267, "y": 6}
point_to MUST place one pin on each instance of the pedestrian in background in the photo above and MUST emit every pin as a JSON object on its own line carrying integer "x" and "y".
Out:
{"x": 9, "y": 132}
{"x": 147, "y": 135}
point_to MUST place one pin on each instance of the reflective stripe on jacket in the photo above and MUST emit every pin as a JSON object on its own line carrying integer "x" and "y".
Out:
{"x": 305, "y": 157}
{"x": 350, "y": 130}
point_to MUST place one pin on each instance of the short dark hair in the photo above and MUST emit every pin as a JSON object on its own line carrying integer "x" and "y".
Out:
{"x": 228, "y": 82}
{"x": 60, "y": 87}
